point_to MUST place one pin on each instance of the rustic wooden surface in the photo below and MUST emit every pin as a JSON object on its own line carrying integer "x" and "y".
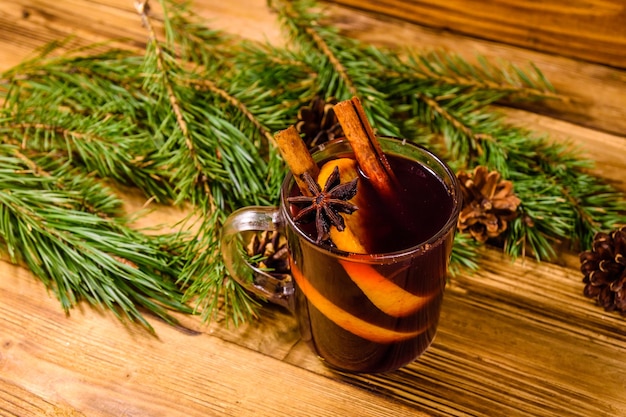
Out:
{"x": 590, "y": 30}
{"x": 515, "y": 338}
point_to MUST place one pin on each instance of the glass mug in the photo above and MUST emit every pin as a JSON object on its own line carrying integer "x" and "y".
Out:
{"x": 358, "y": 312}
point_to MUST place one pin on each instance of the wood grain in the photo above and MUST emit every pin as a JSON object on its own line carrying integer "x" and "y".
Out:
{"x": 595, "y": 95}
{"x": 90, "y": 363}
{"x": 515, "y": 340}
{"x": 19, "y": 402}
{"x": 588, "y": 30}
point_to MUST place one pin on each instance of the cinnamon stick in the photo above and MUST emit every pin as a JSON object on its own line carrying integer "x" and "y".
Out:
{"x": 367, "y": 151}
{"x": 296, "y": 156}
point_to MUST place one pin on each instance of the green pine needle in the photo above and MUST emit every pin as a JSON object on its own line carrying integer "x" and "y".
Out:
{"x": 191, "y": 122}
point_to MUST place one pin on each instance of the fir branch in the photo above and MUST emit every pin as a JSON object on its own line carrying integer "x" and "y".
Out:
{"x": 211, "y": 290}
{"x": 335, "y": 60}
{"x": 226, "y": 137}
{"x": 215, "y": 169}
{"x": 454, "y": 127}
{"x": 505, "y": 81}
{"x": 296, "y": 17}
{"x": 99, "y": 200}
{"x": 196, "y": 44}
{"x": 464, "y": 256}
{"x": 190, "y": 121}
{"x": 104, "y": 83}
{"x": 85, "y": 106}
{"x": 164, "y": 68}
{"x": 208, "y": 85}
{"x": 109, "y": 157}
{"x": 81, "y": 255}
{"x": 143, "y": 9}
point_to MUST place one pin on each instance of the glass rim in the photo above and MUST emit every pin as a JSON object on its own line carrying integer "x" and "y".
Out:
{"x": 385, "y": 257}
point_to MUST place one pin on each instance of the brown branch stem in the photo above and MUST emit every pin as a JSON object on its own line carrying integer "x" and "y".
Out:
{"x": 476, "y": 138}
{"x": 143, "y": 8}
{"x": 325, "y": 49}
{"x": 236, "y": 103}
{"x": 470, "y": 83}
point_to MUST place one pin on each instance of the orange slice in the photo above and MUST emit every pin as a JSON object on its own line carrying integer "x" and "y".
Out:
{"x": 383, "y": 293}
{"x": 348, "y": 321}
{"x": 347, "y": 239}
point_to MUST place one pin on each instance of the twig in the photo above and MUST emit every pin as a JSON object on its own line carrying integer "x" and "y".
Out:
{"x": 235, "y": 102}
{"x": 325, "y": 49}
{"x": 476, "y": 138}
{"x": 143, "y": 8}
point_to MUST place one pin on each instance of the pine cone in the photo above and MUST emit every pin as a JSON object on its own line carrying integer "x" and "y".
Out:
{"x": 318, "y": 122}
{"x": 488, "y": 203}
{"x": 604, "y": 267}
{"x": 270, "y": 249}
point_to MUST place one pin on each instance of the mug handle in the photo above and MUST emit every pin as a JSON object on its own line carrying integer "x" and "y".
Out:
{"x": 253, "y": 279}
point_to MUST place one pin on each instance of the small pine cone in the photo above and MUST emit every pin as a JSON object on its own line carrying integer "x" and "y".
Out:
{"x": 270, "y": 251}
{"x": 318, "y": 122}
{"x": 488, "y": 203}
{"x": 604, "y": 267}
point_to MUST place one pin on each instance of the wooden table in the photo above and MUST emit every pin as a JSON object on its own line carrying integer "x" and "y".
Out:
{"x": 515, "y": 338}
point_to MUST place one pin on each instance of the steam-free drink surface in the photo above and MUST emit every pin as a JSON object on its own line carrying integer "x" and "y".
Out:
{"x": 422, "y": 207}
{"x": 344, "y": 325}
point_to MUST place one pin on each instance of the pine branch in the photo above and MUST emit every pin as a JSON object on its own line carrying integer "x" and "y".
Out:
{"x": 462, "y": 139}
{"x": 85, "y": 107}
{"x": 81, "y": 255}
{"x": 163, "y": 64}
{"x": 464, "y": 256}
{"x": 450, "y": 71}
{"x": 222, "y": 155}
{"x": 296, "y": 14}
{"x": 208, "y": 85}
{"x": 335, "y": 60}
{"x": 193, "y": 42}
{"x": 190, "y": 121}
{"x": 211, "y": 290}
{"x": 107, "y": 156}
{"x": 103, "y": 82}
{"x": 99, "y": 201}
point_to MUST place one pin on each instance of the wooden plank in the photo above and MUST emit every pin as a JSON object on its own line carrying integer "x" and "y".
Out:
{"x": 606, "y": 151}
{"x": 516, "y": 339}
{"x": 18, "y": 402}
{"x": 92, "y": 364}
{"x": 595, "y": 93}
{"x": 588, "y": 30}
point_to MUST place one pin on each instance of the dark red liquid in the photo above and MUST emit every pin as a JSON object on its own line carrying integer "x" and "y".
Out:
{"x": 346, "y": 326}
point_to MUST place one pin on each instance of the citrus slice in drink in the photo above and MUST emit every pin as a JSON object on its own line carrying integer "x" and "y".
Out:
{"x": 382, "y": 292}
{"x": 346, "y": 320}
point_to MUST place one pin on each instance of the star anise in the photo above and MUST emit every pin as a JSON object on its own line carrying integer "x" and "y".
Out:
{"x": 326, "y": 204}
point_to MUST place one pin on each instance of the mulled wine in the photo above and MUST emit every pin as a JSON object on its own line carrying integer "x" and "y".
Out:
{"x": 378, "y": 311}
